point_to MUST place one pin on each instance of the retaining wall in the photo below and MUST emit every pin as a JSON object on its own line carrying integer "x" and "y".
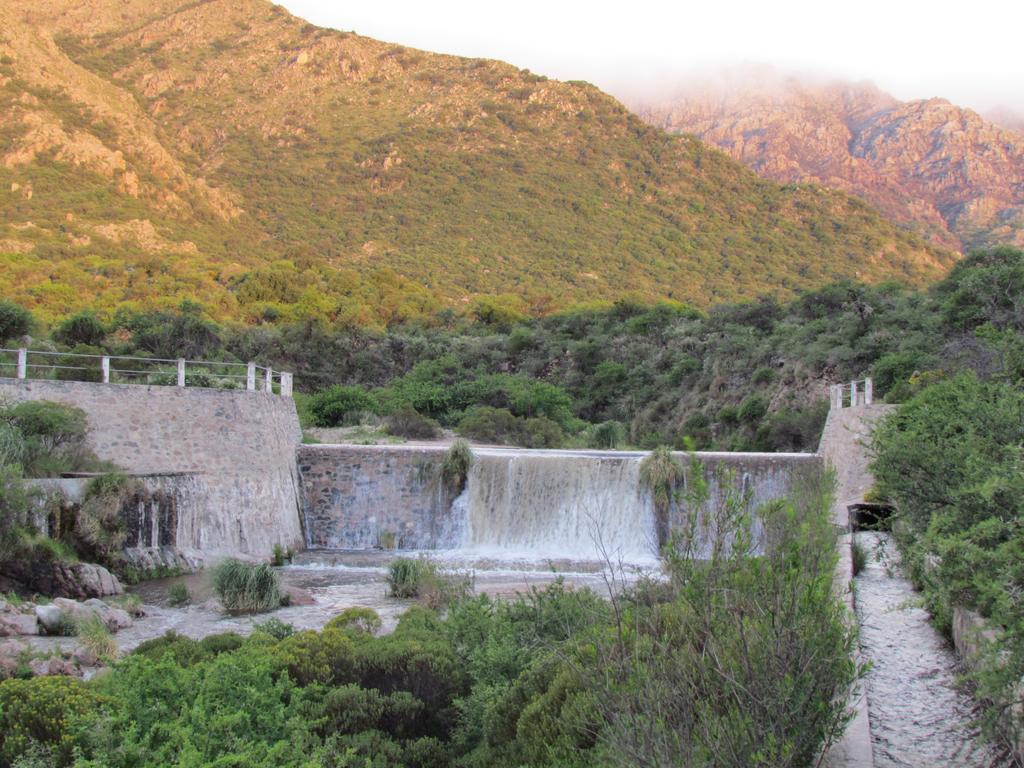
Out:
{"x": 228, "y": 456}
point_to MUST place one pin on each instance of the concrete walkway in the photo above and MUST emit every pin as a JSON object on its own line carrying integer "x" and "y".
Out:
{"x": 844, "y": 448}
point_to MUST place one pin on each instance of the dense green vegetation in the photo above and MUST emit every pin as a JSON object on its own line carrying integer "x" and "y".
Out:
{"x": 749, "y": 376}
{"x": 44, "y": 439}
{"x": 737, "y": 660}
{"x": 950, "y": 460}
{"x": 277, "y": 172}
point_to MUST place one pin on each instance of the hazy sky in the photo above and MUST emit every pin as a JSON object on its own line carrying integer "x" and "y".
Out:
{"x": 969, "y": 52}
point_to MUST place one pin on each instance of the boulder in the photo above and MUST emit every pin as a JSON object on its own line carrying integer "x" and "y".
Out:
{"x": 14, "y": 624}
{"x": 49, "y": 617}
{"x": 85, "y": 657}
{"x": 113, "y": 618}
{"x": 62, "y": 579}
{"x": 51, "y": 666}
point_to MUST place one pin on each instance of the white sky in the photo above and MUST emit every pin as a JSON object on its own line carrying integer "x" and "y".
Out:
{"x": 969, "y": 51}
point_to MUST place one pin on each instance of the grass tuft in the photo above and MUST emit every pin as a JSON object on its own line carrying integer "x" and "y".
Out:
{"x": 246, "y": 587}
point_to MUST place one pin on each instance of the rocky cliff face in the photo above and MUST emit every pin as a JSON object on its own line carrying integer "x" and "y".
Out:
{"x": 928, "y": 163}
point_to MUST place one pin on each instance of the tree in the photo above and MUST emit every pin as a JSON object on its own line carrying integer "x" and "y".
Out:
{"x": 15, "y": 321}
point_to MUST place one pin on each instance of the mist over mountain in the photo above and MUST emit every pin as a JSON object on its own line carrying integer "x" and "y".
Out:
{"x": 944, "y": 169}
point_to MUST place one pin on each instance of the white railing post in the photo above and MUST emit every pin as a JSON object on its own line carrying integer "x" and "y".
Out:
{"x": 853, "y": 394}
{"x": 250, "y": 377}
{"x": 268, "y": 381}
{"x": 869, "y": 391}
{"x": 105, "y": 367}
{"x": 836, "y": 396}
{"x": 22, "y": 363}
{"x": 181, "y": 372}
{"x": 286, "y": 384}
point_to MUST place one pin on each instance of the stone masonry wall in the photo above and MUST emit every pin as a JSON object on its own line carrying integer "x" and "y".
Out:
{"x": 352, "y": 494}
{"x": 234, "y": 449}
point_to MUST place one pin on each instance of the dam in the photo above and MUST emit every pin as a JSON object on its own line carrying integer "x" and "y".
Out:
{"x": 226, "y": 474}
{"x": 516, "y": 503}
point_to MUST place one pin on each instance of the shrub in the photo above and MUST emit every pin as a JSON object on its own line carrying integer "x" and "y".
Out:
{"x": 83, "y": 328}
{"x": 406, "y": 422}
{"x": 339, "y": 405}
{"x": 318, "y": 657}
{"x": 94, "y": 635}
{"x": 660, "y": 472}
{"x": 54, "y": 436}
{"x": 752, "y": 409}
{"x": 276, "y": 628}
{"x": 763, "y": 375}
{"x": 246, "y": 587}
{"x": 280, "y": 556}
{"x": 43, "y": 711}
{"x": 859, "y": 557}
{"x": 422, "y": 579}
{"x": 502, "y": 427}
{"x": 358, "y": 619}
{"x": 457, "y": 463}
{"x": 607, "y": 435}
{"x": 15, "y": 321}
{"x": 178, "y": 595}
{"x": 99, "y": 525}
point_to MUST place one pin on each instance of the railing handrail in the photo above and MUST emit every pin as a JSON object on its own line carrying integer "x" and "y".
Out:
{"x": 51, "y": 353}
{"x": 861, "y": 392}
{"x": 22, "y": 366}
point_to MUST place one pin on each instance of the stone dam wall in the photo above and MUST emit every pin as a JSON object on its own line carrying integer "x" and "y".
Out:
{"x": 224, "y": 458}
{"x": 532, "y": 502}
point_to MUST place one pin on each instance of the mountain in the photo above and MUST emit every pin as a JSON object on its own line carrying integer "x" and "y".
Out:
{"x": 1006, "y": 118}
{"x": 229, "y": 153}
{"x": 942, "y": 168}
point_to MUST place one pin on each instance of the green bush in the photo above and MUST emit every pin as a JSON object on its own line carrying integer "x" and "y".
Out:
{"x": 15, "y": 321}
{"x": 246, "y": 587}
{"x": 82, "y": 328}
{"x": 178, "y": 595}
{"x": 53, "y": 434}
{"x": 406, "y": 422}
{"x": 359, "y": 619}
{"x": 424, "y": 580}
{"x": 607, "y": 435}
{"x": 752, "y": 409}
{"x": 339, "y": 405}
{"x": 43, "y": 711}
{"x": 99, "y": 527}
{"x": 499, "y": 426}
{"x": 94, "y": 635}
{"x": 458, "y": 460}
{"x": 660, "y": 473}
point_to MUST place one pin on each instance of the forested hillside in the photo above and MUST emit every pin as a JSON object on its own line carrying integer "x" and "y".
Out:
{"x": 232, "y": 154}
{"x": 747, "y": 376}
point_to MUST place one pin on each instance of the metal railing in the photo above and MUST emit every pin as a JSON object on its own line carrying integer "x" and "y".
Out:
{"x": 860, "y": 392}
{"x": 152, "y": 371}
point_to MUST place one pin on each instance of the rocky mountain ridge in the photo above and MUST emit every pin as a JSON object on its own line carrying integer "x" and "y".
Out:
{"x": 929, "y": 163}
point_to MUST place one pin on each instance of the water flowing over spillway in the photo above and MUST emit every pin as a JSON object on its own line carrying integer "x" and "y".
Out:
{"x": 555, "y": 505}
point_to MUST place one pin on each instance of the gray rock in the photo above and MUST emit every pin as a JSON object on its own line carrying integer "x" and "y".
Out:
{"x": 85, "y": 657}
{"x": 13, "y": 624}
{"x": 49, "y": 617}
{"x": 51, "y": 666}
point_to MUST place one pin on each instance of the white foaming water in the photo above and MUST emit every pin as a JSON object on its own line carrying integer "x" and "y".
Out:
{"x": 563, "y": 506}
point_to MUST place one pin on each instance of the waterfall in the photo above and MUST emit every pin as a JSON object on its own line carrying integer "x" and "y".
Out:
{"x": 557, "y": 505}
